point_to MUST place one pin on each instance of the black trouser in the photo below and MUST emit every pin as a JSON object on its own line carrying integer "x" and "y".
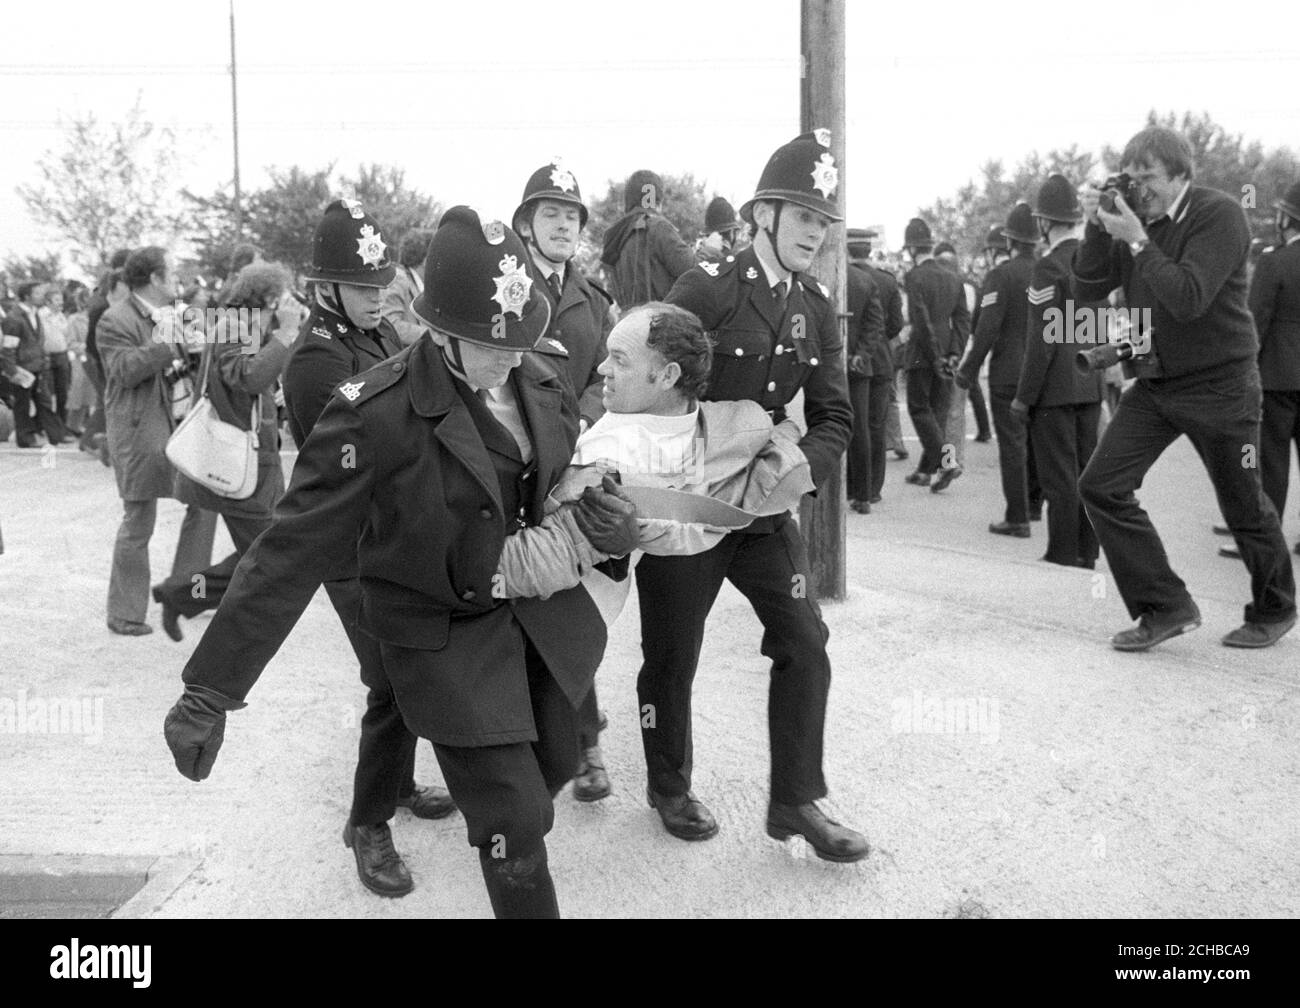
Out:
{"x": 676, "y": 592}
{"x": 589, "y": 720}
{"x": 980, "y": 410}
{"x": 94, "y": 422}
{"x": 26, "y": 427}
{"x": 1220, "y": 413}
{"x": 61, "y": 380}
{"x": 1012, "y": 453}
{"x": 506, "y": 794}
{"x": 865, "y": 460}
{"x": 929, "y": 395}
{"x": 386, "y": 753}
{"x": 1064, "y": 439}
{"x": 193, "y": 592}
{"x": 1279, "y": 430}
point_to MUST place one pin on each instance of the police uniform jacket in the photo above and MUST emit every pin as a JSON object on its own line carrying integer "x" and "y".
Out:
{"x": 408, "y": 458}
{"x": 1048, "y": 376}
{"x": 762, "y": 354}
{"x": 1000, "y": 320}
{"x": 866, "y": 325}
{"x": 1275, "y": 303}
{"x": 580, "y": 323}
{"x": 937, "y": 310}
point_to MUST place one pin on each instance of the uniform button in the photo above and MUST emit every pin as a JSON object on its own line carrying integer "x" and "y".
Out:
{"x": 469, "y": 595}
{"x": 740, "y": 352}
{"x": 780, "y": 349}
{"x": 397, "y": 367}
{"x": 771, "y": 386}
{"x": 813, "y": 362}
{"x": 486, "y": 512}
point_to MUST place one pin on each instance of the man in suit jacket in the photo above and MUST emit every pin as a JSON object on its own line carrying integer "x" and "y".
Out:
{"x": 142, "y": 363}
{"x": 550, "y": 218}
{"x": 1275, "y": 303}
{"x": 24, "y": 347}
{"x": 466, "y": 427}
{"x": 940, "y": 319}
{"x": 871, "y": 371}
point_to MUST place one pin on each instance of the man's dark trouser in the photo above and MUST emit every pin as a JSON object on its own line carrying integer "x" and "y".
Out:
{"x": 506, "y": 794}
{"x": 94, "y": 422}
{"x": 589, "y": 720}
{"x": 929, "y": 395}
{"x": 1279, "y": 430}
{"x": 61, "y": 382}
{"x": 386, "y": 753}
{"x": 1064, "y": 439}
{"x": 195, "y": 591}
{"x": 1012, "y": 453}
{"x": 1220, "y": 413}
{"x": 893, "y": 425}
{"x": 676, "y": 592}
{"x": 26, "y": 427}
{"x": 979, "y": 408}
{"x": 865, "y": 460}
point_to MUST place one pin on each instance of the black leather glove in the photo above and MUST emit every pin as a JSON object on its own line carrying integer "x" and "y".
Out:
{"x": 194, "y": 728}
{"x": 608, "y": 518}
{"x": 948, "y": 365}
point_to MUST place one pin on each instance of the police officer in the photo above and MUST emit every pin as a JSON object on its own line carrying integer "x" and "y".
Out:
{"x": 343, "y": 336}
{"x": 940, "y": 320}
{"x": 550, "y": 218}
{"x": 722, "y": 228}
{"x": 1062, "y": 404}
{"x": 1275, "y": 304}
{"x": 775, "y": 332}
{"x": 891, "y": 300}
{"x": 1000, "y": 327}
{"x": 871, "y": 371}
{"x": 423, "y": 467}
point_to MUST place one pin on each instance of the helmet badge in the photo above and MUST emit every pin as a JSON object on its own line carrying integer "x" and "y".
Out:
{"x": 353, "y": 207}
{"x": 494, "y": 232}
{"x": 825, "y": 175}
{"x": 513, "y": 286}
{"x": 822, "y": 136}
{"x": 562, "y": 178}
{"x": 370, "y": 246}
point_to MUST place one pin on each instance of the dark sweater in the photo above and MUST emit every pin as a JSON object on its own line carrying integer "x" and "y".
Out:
{"x": 1192, "y": 276}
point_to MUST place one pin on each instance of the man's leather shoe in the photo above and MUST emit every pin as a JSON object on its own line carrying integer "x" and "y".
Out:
{"x": 379, "y": 866}
{"x": 946, "y": 476}
{"x": 1036, "y": 513}
{"x": 1007, "y": 528}
{"x": 900, "y": 453}
{"x": 1155, "y": 627}
{"x": 1222, "y": 530}
{"x": 875, "y": 499}
{"x": 171, "y": 616}
{"x": 428, "y": 802}
{"x": 984, "y": 438}
{"x": 684, "y": 816}
{"x": 829, "y": 839}
{"x": 591, "y": 782}
{"x": 129, "y": 628}
{"x": 1231, "y": 552}
{"x": 918, "y": 478}
{"x": 860, "y": 506}
{"x": 1257, "y": 635}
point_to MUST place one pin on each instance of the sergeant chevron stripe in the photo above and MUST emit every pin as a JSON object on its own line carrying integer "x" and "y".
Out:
{"x": 1041, "y": 295}
{"x": 989, "y": 299}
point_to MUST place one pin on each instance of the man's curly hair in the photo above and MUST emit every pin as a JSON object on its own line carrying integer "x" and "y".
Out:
{"x": 677, "y": 335}
{"x": 257, "y": 285}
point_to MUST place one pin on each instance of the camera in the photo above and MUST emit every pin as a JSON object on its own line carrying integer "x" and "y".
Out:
{"x": 1118, "y": 185}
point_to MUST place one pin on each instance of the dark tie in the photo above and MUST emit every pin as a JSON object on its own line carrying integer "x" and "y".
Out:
{"x": 553, "y": 281}
{"x": 778, "y": 295}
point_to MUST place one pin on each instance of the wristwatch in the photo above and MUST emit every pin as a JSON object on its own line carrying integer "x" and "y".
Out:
{"x": 1137, "y": 246}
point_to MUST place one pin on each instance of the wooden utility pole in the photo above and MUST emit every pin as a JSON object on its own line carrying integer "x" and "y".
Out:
{"x": 821, "y": 104}
{"x": 234, "y": 118}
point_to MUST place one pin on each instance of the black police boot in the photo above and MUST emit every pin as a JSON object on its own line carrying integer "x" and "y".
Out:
{"x": 379, "y": 866}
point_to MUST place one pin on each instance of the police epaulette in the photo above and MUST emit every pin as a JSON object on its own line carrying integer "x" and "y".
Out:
{"x": 370, "y": 383}
{"x": 551, "y": 348}
{"x": 717, "y": 269}
{"x": 598, "y": 289}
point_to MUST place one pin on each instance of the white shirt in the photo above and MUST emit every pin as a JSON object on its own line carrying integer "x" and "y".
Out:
{"x": 504, "y": 406}
{"x": 773, "y": 276}
{"x": 647, "y": 449}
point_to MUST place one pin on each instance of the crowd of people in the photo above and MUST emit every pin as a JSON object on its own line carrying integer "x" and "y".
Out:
{"x": 572, "y": 432}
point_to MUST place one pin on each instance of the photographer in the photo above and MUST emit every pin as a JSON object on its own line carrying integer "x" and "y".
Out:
{"x": 1197, "y": 375}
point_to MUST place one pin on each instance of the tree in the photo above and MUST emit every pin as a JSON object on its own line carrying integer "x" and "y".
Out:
{"x": 109, "y": 187}
{"x": 965, "y": 219}
{"x": 281, "y": 218}
{"x": 35, "y": 269}
{"x": 685, "y": 200}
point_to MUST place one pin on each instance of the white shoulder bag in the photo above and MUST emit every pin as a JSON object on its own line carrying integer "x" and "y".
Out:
{"x": 210, "y": 451}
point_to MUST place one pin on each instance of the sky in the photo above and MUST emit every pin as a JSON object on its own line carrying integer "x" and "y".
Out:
{"x": 470, "y": 98}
